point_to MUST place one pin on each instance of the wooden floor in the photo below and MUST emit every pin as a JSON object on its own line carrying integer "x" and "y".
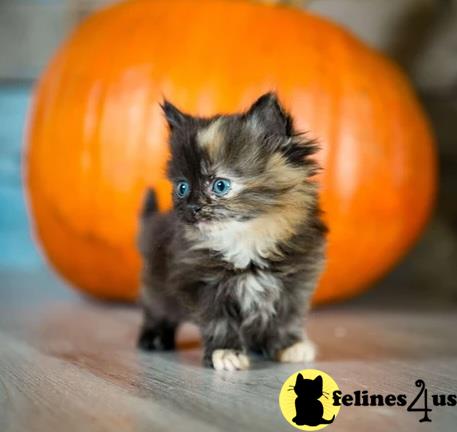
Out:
{"x": 68, "y": 364}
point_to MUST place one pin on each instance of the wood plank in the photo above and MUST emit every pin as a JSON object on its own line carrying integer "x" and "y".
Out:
{"x": 74, "y": 362}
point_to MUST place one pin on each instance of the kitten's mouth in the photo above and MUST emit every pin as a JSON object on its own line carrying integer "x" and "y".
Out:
{"x": 197, "y": 221}
{"x": 193, "y": 218}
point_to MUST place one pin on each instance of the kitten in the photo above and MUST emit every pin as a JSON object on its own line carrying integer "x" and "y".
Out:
{"x": 309, "y": 409}
{"x": 243, "y": 247}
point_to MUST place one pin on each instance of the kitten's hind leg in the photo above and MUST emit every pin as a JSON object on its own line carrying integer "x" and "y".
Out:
{"x": 161, "y": 317}
{"x": 157, "y": 335}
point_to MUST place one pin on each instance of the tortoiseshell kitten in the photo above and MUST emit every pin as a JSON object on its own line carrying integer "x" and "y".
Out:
{"x": 243, "y": 247}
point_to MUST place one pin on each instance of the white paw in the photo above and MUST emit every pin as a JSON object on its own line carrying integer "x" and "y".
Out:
{"x": 304, "y": 351}
{"x": 226, "y": 359}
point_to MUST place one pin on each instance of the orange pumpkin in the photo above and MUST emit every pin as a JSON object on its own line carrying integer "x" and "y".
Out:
{"x": 97, "y": 138}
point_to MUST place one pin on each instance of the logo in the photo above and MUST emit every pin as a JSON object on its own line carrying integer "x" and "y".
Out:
{"x": 310, "y": 400}
{"x": 306, "y": 400}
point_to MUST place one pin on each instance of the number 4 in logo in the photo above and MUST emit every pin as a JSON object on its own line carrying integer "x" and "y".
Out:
{"x": 412, "y": 406}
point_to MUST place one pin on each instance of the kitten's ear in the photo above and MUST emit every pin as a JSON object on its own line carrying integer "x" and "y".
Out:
{"x": 300, "y": 377}
{"x": 174, "y": 116}
{"x": 267, "y": 113}
{"x": 318, "y": 381}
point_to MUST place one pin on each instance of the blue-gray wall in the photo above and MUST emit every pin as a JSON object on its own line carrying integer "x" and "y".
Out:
{"x": 17, "y": 249}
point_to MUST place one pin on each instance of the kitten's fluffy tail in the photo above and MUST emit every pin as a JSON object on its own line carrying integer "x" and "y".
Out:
{"x": 150, "y": 205}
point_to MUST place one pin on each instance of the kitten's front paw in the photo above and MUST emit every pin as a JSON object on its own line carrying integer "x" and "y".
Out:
{"x": 226, "y": 359}
{"x": 304, "y": 351}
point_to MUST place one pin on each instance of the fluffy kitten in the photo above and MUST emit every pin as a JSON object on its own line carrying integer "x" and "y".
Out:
{"x": 243, "y": 247}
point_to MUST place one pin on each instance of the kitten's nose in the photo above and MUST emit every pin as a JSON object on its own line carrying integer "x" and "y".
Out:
{"x": 194, "y": 208}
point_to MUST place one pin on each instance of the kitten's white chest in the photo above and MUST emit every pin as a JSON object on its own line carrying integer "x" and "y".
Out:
{"x": 240, "y": 243}
{"x": 243, "y": 244}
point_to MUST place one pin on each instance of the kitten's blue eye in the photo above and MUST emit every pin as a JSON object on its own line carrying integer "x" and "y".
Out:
{"x": 182, "y": 189}
{"x": 221, "y": 186}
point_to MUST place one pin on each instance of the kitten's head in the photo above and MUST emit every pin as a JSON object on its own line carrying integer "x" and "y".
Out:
{"x": 238, "y": 167}
{"x": 312, "y": 389}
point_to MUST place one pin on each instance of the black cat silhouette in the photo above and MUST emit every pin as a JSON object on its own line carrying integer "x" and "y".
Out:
{"x": 308, "y": 407}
